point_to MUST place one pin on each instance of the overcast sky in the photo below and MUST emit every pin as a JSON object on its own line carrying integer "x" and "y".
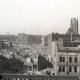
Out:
{"x": 37, "y": 16}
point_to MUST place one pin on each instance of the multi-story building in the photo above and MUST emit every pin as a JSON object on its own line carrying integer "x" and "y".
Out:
{"x": 66, "y": 51}
{"x": 26, "y": 39}
{"x": 69, "y": 61}
{"x": 66, "y": 40}
{"x": 66, "y": 60}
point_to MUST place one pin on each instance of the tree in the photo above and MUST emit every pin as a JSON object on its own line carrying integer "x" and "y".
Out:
{"x": 12, "y": 66}
{"x": 43, "y": 63}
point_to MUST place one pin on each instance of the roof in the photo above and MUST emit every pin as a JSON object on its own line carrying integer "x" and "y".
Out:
{"x": 8, "y": 37}
{"x": 28, "y": 64}
{"x": 70, "y": 30}
{"x": 4, "y": 38}
{"x": 73, "y": 49}
{"x": 76, "y": 41}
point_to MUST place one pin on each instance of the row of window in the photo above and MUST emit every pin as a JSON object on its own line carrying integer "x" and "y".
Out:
{"x": 66, "y": 44}
{"x": 62, "y": 69}
{"x": 62, "y": 59}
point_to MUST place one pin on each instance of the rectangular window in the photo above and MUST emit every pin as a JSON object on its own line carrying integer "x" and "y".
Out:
{"x": 70, "y": 59}
{"x": 75, "y": 69}
{"x": 70, "y": 45}
{"x": 75, "y": 59}
{"x": 74, "y": 45}
{"x": 70, "y": 69}
{"x": 62, "y": 59}
{"x": 28, "y": 68}
{"x": 61, "y": 68}
{"x": 65, "y": 44}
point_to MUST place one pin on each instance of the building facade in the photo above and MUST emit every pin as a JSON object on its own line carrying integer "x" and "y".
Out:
{"x": 68, "y": 62}
{"x": 66, "y": 51}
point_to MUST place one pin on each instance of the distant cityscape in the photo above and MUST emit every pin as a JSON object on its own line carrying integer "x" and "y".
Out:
{"x": 52, "y": 54}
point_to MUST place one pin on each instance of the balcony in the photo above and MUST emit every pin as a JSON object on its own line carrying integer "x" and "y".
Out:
{"x": 62, "y": 63}
{"x": 69, "y": 63}
{"x": 36, "y": 77}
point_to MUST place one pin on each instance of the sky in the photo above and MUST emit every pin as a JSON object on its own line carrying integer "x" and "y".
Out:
{"x": 37, "y": 16}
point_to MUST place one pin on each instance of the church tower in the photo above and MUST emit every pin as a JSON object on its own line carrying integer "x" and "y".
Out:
{"x": 73, "y": 26}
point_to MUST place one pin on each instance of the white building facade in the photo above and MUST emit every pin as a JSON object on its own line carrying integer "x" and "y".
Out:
{"x": 69, "y": 62}
{"x": 66, "y": 60}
